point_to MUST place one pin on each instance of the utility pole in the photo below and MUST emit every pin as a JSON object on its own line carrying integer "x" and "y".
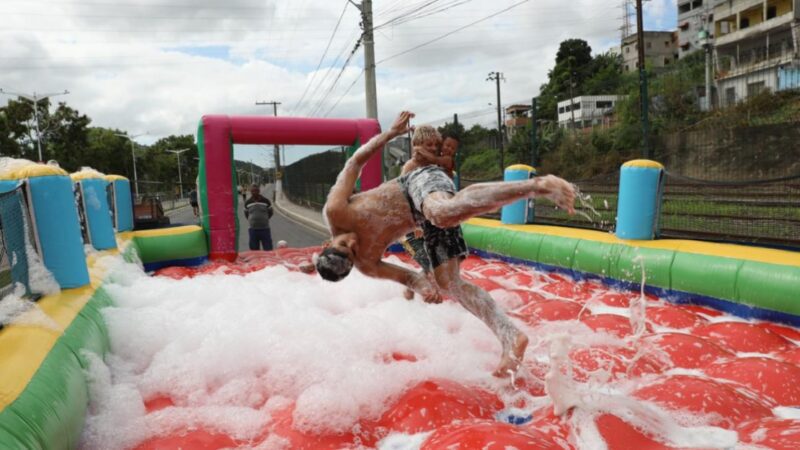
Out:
{"x": 706, "y": 41}
{"x": 133, "y": 156}
{"x": 180, "y": 180}
{"x": 642, "y": 82}
{"x": 368, "y": 39}
{"x": 35, "y": 98}
{"x": 534, "y": 143}
{"x": 277, "y": 148}
{"x": 496, "y": 77}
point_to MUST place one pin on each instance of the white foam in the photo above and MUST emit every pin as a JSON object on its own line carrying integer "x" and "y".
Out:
{"x": 223, "y": 344}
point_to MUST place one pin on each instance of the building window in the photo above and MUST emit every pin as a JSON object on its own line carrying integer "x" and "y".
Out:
{"x": 627, "y": 49}
{"x": 744, "y": 23}
{"x": 755, "y": 88}
{"x": 649, "y": 45}
{"x": 666, "y": 44}
{"x": 603, "y": 104}
{"x": 730, "y": 96}
{"x": 561, "y": 110}
{"x": 666, "y": 61}
{"x": 626, "y": 68}
{"x": 772, "y": 12}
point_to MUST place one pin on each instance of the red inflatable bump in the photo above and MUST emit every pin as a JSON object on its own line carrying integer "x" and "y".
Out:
{"x": 176, "y": 273}
{"x": 723, "y": 405}
{"x": 549, "y": 310}
{"x": 399, "y": 356}
{"x": 617, "y": 361}
{"x": 157, "y": 403}
{"x": 283, "y": 425}
{"x": 524, "y": 279}
{"x": 617, "y": 299}
{"x": 620, "y": 435}
{"x": 772, "y": 433}
{"x": 528, "y": 296}
{"x": 710, "y": 312}
{"x": 488, "y": 435}
{"x": 687, "y": 351}
{"x": 610, "y": 323}
{"x": 194, "y": 440}
{"x": 472, "y": 262}
{"x": 568, "y": 290}
{"x": 531, "y": 378}
{"x": 783, "y": 330}
{"x": 556, "y": 428}
{"x": 486, "y": 284}
{"x": 494, "y": 269}
{"x": 743, "y": 337}
{"x": 791, "y": 356}
{"x": 673, "y": 317}
{"x": 776, "y": 381}
{"x": 433, "y": 404}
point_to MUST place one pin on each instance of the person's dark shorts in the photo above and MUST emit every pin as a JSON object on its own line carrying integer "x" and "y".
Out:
{"x": 439, "y": 244}
{"x": 194, "y": 204}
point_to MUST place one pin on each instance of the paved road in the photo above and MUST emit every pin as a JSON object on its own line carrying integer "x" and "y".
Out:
{"x": 295, "y": 234}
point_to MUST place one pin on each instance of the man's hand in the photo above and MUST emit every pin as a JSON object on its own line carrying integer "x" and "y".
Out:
{"x": 400, "y": 125}
{"x": 557, "y": 190}
{"x": 424, "y": 157}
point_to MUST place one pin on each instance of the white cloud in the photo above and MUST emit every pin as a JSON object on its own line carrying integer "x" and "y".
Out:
{"x": 120, "y": 63}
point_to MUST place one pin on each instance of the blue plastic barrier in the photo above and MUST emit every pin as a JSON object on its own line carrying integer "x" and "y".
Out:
{"x": 521, "y": 211}
{"x": 640, "y": 192}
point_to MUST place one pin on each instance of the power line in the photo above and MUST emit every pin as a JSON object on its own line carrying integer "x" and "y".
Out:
{"x": 322, "y": 58}
{"x": 330, "y": 67}
{"x": 421, "y": 13}
{"x": 345, "y": 93}
{"x": 452, "y": 32}
{"x": 338, "y": 77}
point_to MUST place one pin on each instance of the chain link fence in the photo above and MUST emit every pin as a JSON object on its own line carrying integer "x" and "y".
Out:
{"x": 14, "y": 224}
{"x": 171, "y": 195}
{"x": 307, "y": 182}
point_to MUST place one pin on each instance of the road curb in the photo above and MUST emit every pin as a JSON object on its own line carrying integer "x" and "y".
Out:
{"x": 314, "y": 225}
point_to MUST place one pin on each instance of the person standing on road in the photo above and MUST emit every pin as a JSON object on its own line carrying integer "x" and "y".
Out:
{"x": 193, "y": 202}
{"x": 258, "y": 211}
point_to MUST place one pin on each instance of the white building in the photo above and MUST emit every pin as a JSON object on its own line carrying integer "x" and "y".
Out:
{"x": 694, "y": 16}
{"x": 757, "y": 47}
{"x": 587, "y": 111}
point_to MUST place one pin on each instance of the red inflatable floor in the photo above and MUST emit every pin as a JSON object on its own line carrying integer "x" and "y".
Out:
{"x": 718, "y": 374}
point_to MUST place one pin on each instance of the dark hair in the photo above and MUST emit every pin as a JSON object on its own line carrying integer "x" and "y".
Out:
{"x": 333, "y": 264}
{"x": 452, "y": 135}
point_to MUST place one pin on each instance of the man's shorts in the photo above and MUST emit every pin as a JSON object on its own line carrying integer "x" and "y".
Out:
{"x": 440, "y": 244}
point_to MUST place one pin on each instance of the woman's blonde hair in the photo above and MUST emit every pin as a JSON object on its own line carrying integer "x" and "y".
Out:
{"x": 425, "y": 132}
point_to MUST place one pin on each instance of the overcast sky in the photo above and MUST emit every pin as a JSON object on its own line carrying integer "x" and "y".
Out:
{"x": 157, "y": 66}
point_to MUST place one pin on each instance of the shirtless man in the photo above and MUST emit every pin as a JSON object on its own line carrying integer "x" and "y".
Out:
{"x": 363, "y": 225}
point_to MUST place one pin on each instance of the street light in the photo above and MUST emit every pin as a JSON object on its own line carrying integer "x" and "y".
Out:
{"x": 178, "y": 154}
{"x": 133, "y": 156}
{"x": 35, "y": 98}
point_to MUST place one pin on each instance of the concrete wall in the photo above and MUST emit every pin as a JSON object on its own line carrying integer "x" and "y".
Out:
{"x": 766, "y": 151}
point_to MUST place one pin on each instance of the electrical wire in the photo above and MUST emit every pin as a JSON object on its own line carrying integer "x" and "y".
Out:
{"x": 322, "y": 58}
{"x": 451, "y": 32}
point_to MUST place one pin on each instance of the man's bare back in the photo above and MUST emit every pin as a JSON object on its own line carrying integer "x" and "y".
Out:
{"x": 363, "y": 225}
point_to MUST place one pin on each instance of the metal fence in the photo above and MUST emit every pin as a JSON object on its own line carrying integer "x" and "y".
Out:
{"x": 14, "y": 225}
{"x": 171, "y": 195}
{"x": 307, "y": 182}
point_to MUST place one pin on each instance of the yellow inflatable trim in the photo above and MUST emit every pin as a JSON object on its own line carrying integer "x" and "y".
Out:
{"x": 521, "y": 167}
{"x": 23, "y": 348}
{"x": 644, "y": 163}
{"x": 33, "y": 171}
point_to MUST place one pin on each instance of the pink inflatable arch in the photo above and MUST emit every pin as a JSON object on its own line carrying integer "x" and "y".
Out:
{"x": 216, "y": 135}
